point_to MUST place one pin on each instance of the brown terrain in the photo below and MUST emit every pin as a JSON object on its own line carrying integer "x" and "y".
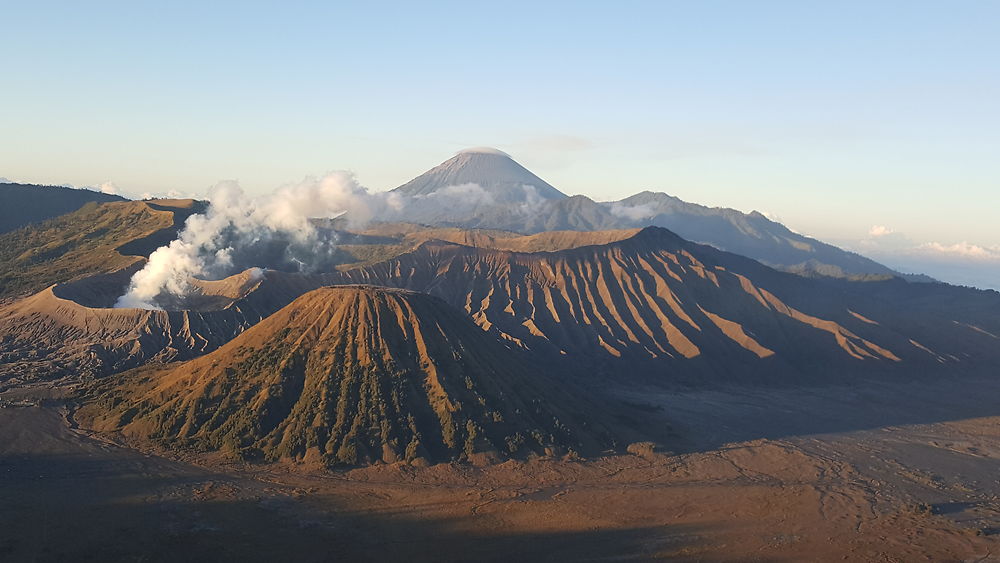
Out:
{"x": 352, "y": 375}
{"x": 456, "y": 395}
{"x": 23, "y": 204}
{"x": 648, "y": 303}
{"x": 97, "y": 238}
{"x": 876, "y": 479}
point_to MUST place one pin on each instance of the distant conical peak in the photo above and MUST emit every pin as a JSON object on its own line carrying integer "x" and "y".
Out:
{"x": 500, "y": 180}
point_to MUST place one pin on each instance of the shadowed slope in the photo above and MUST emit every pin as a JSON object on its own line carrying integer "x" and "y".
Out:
{"x": 748, "y": 234}
{"x": 352, "y": 375}
{"x": 47, "y": 336}
{"x": 24, "y": 204}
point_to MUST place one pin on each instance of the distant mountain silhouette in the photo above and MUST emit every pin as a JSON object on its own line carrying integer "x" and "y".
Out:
{"x": 497, "y": 173}
{"x": 489, "y": 190}
{"x": 24, "y": 204}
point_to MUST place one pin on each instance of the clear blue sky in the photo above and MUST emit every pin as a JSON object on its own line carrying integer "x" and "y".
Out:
{"x": 833, "y": 116}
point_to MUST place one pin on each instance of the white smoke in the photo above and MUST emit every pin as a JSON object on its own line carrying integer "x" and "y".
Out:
{"x": 464, "y": 195}
{"x": 879, "y": 231}
{"x": 238, "y": 232}
{"x": 533, "y": 201}
{"x": 277, "y": 231}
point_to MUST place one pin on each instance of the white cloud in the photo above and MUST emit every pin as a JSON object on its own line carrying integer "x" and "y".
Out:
{"x": 961, "y": 249}
{"x": 108, "y": 188}
{"x": 771, "y": 216}
{"x": 467, "y": 193}
{"x": 633, "y": 212}
{"x": 883, "y": 241}
{"x": 962, "y": 263}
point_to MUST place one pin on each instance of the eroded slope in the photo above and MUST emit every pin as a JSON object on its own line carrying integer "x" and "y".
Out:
{"x": 352, "y": 375}
{"x": 651, "y": 304}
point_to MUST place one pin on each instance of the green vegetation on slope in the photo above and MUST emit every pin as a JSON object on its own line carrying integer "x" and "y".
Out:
{"x": 353, "y": 375}
{"x": 77, "y": 244}
{"x": 24, "y": 204}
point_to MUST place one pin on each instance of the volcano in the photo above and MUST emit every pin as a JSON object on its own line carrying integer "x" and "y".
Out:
{"x": 356, "y": 374}
{"x": 484, "y": 188}
{"x": 501, "y": 179}
{"x": 615, "y": 302}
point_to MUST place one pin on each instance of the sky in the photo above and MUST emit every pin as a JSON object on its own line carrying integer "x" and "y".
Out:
{"x": 841, "y": 119}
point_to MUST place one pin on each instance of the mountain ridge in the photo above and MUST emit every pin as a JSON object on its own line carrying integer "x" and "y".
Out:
{"x": 96, "y": 238}
{"x": 644, "y": 302}
{"x": 24, "y": 204}
{"x": 473, "y": 199}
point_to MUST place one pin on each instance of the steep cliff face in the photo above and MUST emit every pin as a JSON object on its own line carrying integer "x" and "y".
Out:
{"x": 355, "y": 374}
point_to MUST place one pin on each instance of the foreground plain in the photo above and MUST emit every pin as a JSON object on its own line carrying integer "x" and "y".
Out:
{"x": 874, "y": 473}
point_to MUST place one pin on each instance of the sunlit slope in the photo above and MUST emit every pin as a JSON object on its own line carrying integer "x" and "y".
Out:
{"x": 655, "y": 297}
{"x": 354, "y": 375}
{"x": 550, "y": 241}
{"x": 650, "y": 304}
{"x": 97, "y": 238}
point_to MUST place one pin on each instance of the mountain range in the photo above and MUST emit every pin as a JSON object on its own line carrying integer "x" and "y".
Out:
{"x": 642, "y": 301}
{"x": 450, "y": 341}
{"x": 487, "y": 189}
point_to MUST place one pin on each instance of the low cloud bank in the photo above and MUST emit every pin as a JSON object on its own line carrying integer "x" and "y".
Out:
{"x": 961, "y": 263}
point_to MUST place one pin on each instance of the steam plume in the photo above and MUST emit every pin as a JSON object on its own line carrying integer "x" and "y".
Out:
{"x": 238, "y": 232}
